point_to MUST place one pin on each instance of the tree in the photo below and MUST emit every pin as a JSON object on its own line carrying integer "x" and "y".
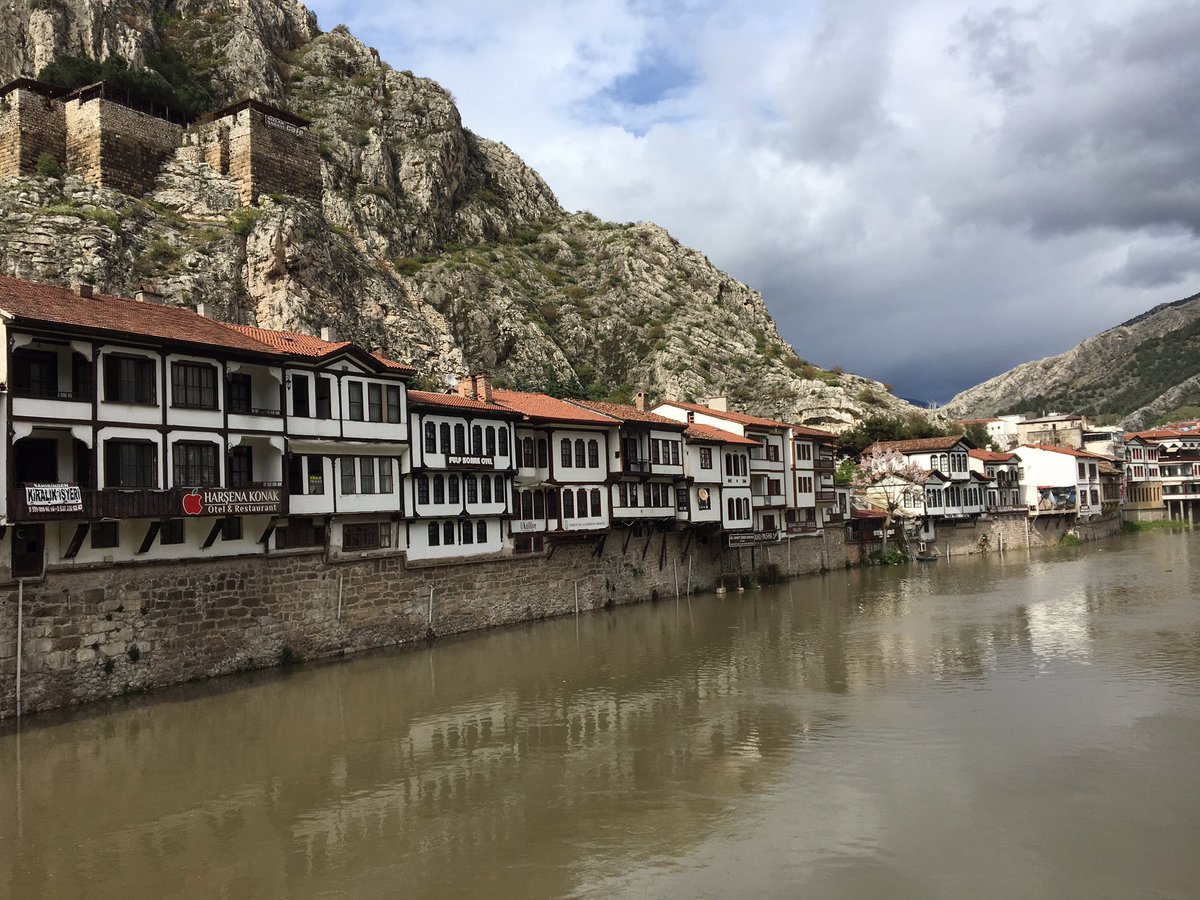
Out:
{"x": 886, "y": 475}
{"x": 886, "y": 428}
{"x": 977, "y": 435}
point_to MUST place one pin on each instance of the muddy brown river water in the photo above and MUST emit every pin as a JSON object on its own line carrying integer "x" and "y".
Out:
{"x": 1017, "y": 726}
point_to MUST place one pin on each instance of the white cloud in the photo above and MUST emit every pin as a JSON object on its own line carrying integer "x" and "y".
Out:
{"x": 924, "y": 191}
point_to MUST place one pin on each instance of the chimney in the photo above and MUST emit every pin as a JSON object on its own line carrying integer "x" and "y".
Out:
{"x": 466, "y": 387}
{"x": 329, "y": 333}
{"x": 148, "y": 294}
{"x": 639, "y": 401}
{"x": 720, "y": 404}
{"x": 83, "y": 289}
{"x": 483, "y": 387}
{"x": 202, "y": 311}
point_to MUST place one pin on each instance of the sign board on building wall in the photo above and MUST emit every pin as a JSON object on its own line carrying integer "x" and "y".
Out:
{"x": 753, "y": 538}
{"x": 53, "y": 498}
{"x": 233, "y": 501}
{"x": 472, "y": 462}
{"x": 526, "y": 526}
{"x": 275, "y": 122}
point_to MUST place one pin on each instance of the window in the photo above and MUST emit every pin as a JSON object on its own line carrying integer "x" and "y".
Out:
{"x": 452, "y": 489}
{"x": 566, "y": 453}
{"x": 633, "y": 495}
{"x": 485, "y": 489}
{"x": 528, "y": 544}
{"x": 324, "y": 398}
{"x": 366, "y": 475}
{"x": 772, "y": 451}
{"x": 129, "y": 379}
{"x": 366, "y": 535}
{"x": 435, "y": 535}
{"x": 471, "y": 488}
{"x": 105, "y": 535}
{"x": 349, "y": 486}
{"x": 703, "y": 499}
{"x": 502, "y": 442}
{"x": 193, "y": 386}
{"x": 386, "y": 484}
{"x": 422, "y": 488}
{"x": 481, "y": 530}
{"x": 430, "y": 438}
{"x": 803, "y": 450}
{"x": 581, "y": 506}
{"x": 130, "y": 464}
{"x": 300, "y": 533}
{"x": 622, "y": 494}
{"x": 448, "y": 533}
{"x": 35, "y": 373}
{"x": 527, "y": 453}
{"x": 539, "y": 505}
{"x": 444, "y": 437}
{"x": 490, "y": 441}
{"x": 356, "y": 400}
{"x": 239, "y": 393}
{"x": 593, "y": 450}
{"x": 499, "y": 482}
{"x": 476, "y": 440}
{"x": 171, "y": 532}
{"x": 81, "y": 375}
{"x": 525, "y": 504}
{"x": 729, "y": 464}
{"x": 460, "y": 440}
{"x": 543, "y": 453}
{"x": 580, "y": 454}
{"x": 439, "y": 489}
{"x": 706, "y": 457}
{"x": 375, "y": 402}
{"x": 674, "y": 453}
{"x": 654, "y": 453}
{"x": 568, "y": 504}
{"x": 681, "y": 499}
{"x": 467, "y": 533}
{"x": 596, "y": 507}
{"x": 732, "y": 509}
{"x": 300, "y": 396}
{"x": 231, "y": 528}
{"x": 241, "y": 466}
{"x": 806, "y": 485}
{"x": 393, "y": 403}
{"x": 316, "y": 474}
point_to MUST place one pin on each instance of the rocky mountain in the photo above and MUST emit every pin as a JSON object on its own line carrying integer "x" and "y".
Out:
{"x": 1142, "y": 371}
{"x": 430, "y": 242}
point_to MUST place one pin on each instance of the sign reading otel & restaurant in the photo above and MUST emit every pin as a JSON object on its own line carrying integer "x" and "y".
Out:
{"x": 233, "y": 501}
{"x": 53, "y": 498}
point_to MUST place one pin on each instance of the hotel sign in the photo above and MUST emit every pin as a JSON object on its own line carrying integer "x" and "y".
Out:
{"x": 233, "y": 501}
{"x": 53, "y": 498}
{"x": 753, "y": 538}
{"x": 472, "y": 462}
{"x": 526, "y": 526}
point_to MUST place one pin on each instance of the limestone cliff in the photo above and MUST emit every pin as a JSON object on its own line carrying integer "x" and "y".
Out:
{"x": 430, "y": 242}
{"x": 1142, "y": 371}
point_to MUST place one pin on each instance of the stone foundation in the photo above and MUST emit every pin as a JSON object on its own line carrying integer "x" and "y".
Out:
{"x": 95, "y": 634}
{"x": 31, "y": 124}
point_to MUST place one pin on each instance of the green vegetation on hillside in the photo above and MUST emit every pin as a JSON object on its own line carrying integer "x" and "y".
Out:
{"x": 167, "y": 81}
{"x": 887, "y": 428}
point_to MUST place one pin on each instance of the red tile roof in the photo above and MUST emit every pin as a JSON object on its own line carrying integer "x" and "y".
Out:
{"x": 392, "y": 364}
{"x": 628, "y": 413}
{"x": 976, "y": 421}
{"x": 827, "y": 437}
{"x": 712, "y": 434}
{"x": 453, "y": 401}
{"x": 990, "y": 456}
{"x": 739, "y": 418}
{"x": 918, "y": 445}
{"x": 544, "y": 408}
{"x": 1068, "y": 451}
{"x": 27, "y": 301}
{"x": 295, "y": 344}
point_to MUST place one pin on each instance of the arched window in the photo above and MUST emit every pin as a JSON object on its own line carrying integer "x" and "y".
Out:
{"x": 468, "y": 533}
{"x": 490, "y": 442}
{"x": 471, "y": 486}
{"x": 430, "y": 438}
{"x": 435, "y": 534}
{"x": 594, "y": 454}
{"x": 485, "y": 489}
{"x": 539, "y": 505}
{"x": 444, "y": 432}
{"x": 422, "y": 488}
{"x": 439, "y": 489}
{"x": 732, "y": 511}
{"x": 447, "y": 533}
{"x": 729, "y": 465}
{"x": 476, "y": 440}
{"x": 499, "y": 491}
{"x": 527, "y": 453}
{"x": 568, "y": 504}
{"x": 580, "y": 453}
{"x": 543, "y": 454}
{"x": 566, "y": 453}
{"x": 595, "y": 503}
{"x": 452, "y": 489}
{"x": 581, "y": 504}
{"x": 460, "y": 440}
{"x": 481, "y": 531}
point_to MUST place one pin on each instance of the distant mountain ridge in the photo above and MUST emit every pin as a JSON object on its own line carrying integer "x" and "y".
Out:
{"x": 1136, "y": 373}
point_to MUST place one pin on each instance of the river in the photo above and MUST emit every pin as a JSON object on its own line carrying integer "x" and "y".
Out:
{"x": 1025, "y": 725}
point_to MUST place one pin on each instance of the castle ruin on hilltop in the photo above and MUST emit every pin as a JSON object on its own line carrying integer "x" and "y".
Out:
{"x": 109, "y": 138}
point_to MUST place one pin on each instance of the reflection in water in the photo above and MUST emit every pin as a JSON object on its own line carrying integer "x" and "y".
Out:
{"x": 984, "y": 727}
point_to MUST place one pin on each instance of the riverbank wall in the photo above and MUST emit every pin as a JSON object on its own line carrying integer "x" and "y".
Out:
{"x": 1003, "y": 531}
{"x": 88, "y": 635}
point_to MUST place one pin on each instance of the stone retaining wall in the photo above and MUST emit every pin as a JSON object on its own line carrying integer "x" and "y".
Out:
{"x": 100, "y": 633}
{"x": 30, "y": 124}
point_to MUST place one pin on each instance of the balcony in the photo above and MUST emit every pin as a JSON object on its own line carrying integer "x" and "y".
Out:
{"x": 835, "y": 518}
{"x": 49, "y": 502}
{"x": 763, "y": 501}
{"x": 826, "y": 496}
{"x": 255, "y": 411}
{"x": 824, "y": 464}
{"x": 636, "y": 466}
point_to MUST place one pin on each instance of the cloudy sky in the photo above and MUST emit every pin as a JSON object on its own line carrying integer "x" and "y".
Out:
{"x": 925, "y": 191}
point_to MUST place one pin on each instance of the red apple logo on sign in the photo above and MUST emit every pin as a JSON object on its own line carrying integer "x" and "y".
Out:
{"x": 192, "y": 504}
